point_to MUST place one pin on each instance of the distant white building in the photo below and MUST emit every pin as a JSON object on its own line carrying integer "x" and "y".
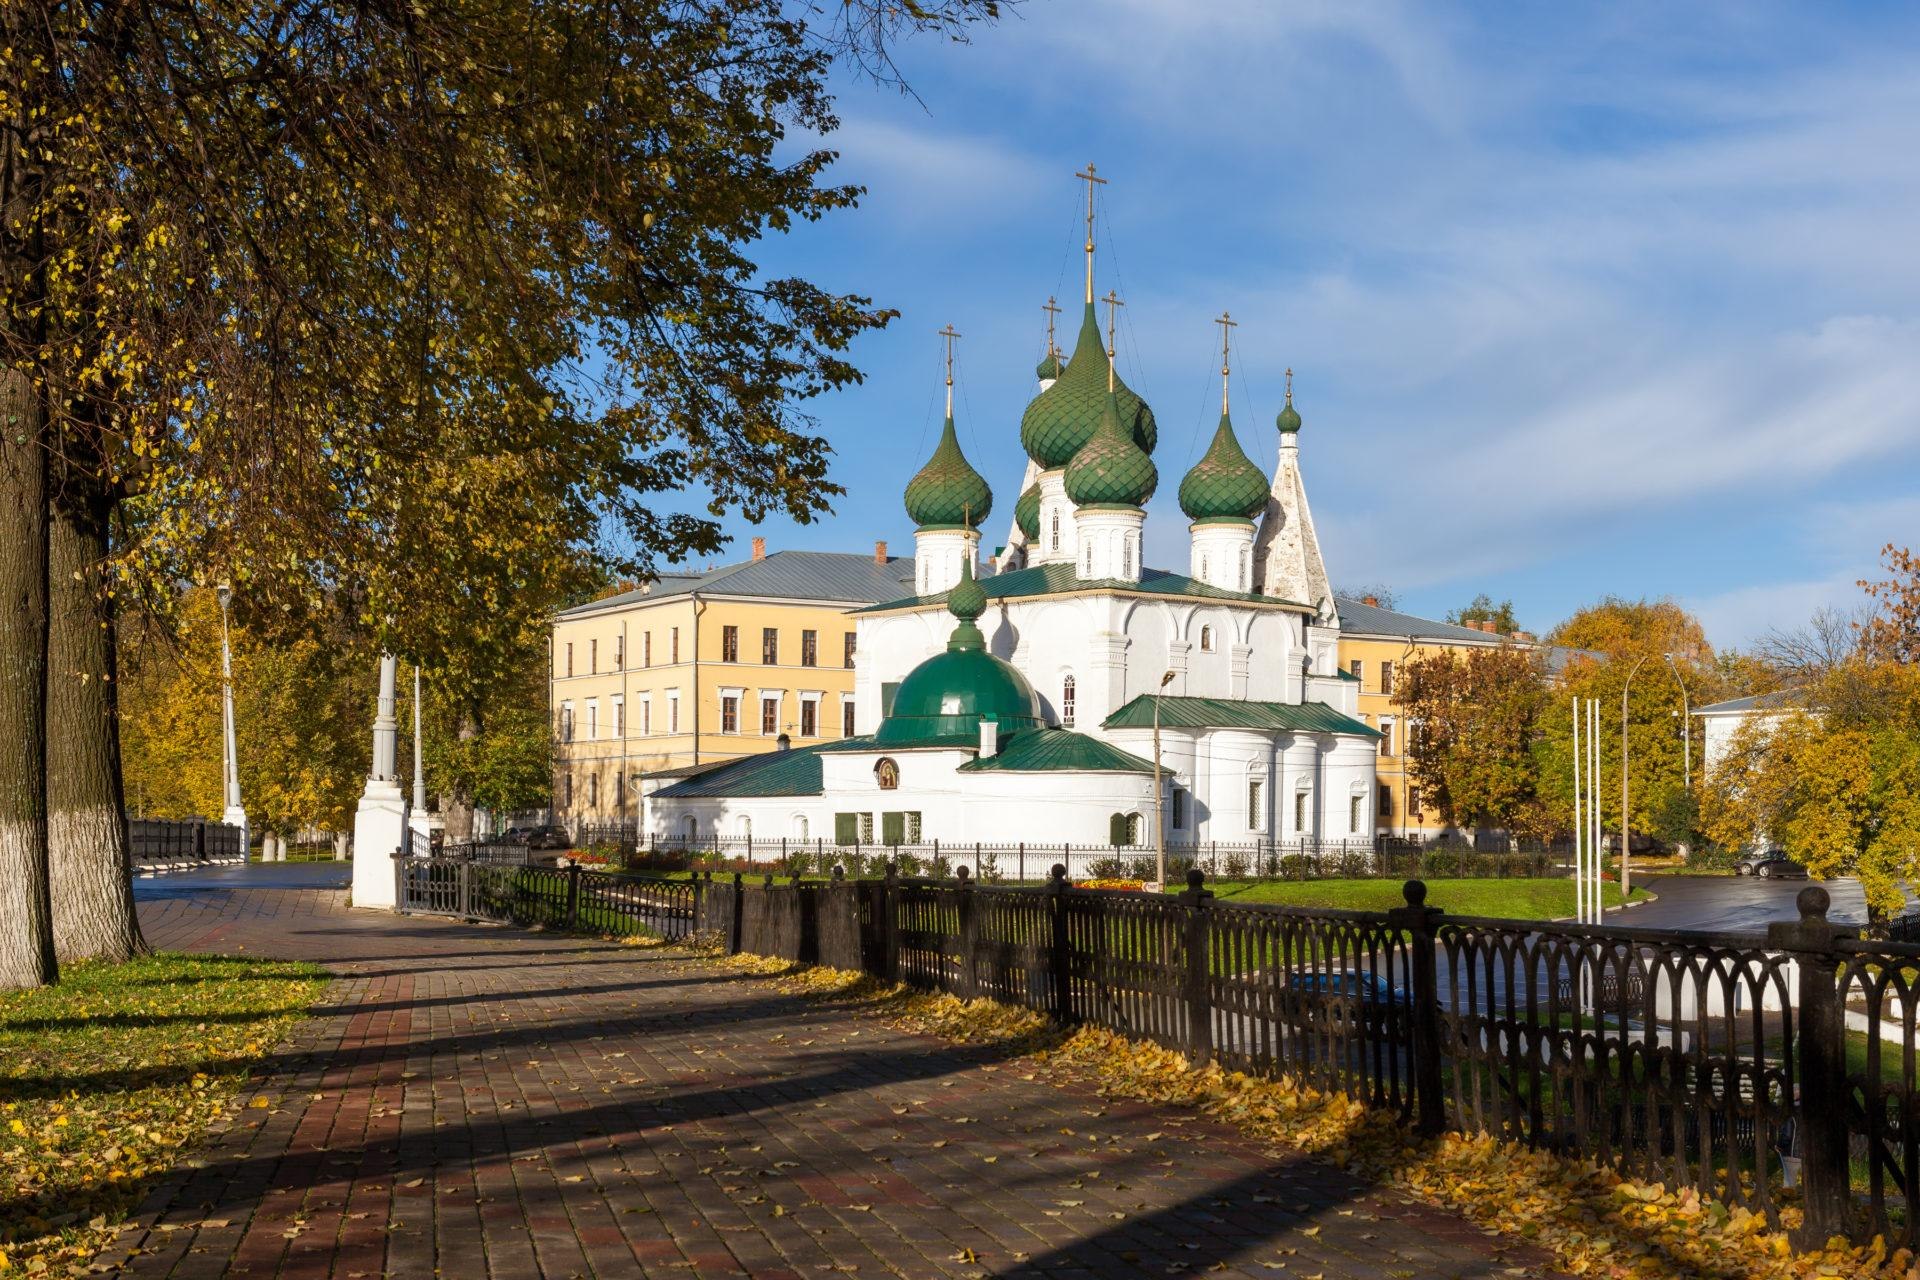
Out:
{"x": 1720, "y": 721}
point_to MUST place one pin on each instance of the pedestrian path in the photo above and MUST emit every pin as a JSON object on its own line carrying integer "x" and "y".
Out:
{"x": 489, "y": 1104}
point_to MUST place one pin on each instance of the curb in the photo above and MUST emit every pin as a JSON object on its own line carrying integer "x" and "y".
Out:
{"x": 1625, "y": 906}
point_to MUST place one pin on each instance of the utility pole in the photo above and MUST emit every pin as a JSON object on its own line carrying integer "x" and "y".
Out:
{"x": 236, "y": 812}
{"x": 1626, "y": 821}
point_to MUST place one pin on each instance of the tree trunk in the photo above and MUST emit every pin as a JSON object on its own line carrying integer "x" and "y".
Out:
{"x": 457, "y": 805}
{"x": 26, "y": 924}
{"x": 89, "y": 868}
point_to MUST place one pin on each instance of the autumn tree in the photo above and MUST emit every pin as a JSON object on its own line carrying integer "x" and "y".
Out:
{"x": 1616, "y": 627}
{"x": 1477, "y": 712}
{"x": 1483, "y": 609}
{"x": 1891, "y": 633}
{"x": 1382, "y": 595}
{"x": 263, "y": 321}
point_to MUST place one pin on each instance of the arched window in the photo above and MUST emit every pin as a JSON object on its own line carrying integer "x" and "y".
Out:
{"x": 1205, "y": 569}
{"x": 744, "y": 827}
{"x": 1246, "y": 579}
{"x": 1086, "y": 558}
{"x": 1066, "y": 703}
{"x": 1206, "y": 639}
{"x": 1126, "y": 557}
{"x": 1134, "y": 825}
{"x": 690, "y": 828}
{"x": 1054, "y": 544}
{"x": 1118, "y": 830}
{"x": 886, "y": 774}
{"x": 800, "y": 826}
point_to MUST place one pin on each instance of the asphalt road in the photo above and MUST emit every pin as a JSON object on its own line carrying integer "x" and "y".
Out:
{"x": 253, "y": 875}
{"x": 1733, "y": 904}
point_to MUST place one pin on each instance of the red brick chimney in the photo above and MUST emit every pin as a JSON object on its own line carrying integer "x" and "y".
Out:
{"x": 880, "y": 553}
{"x": 1370, "y": 600}
{"x": 1524, "y": 637}
{"x": 759, "y": 548}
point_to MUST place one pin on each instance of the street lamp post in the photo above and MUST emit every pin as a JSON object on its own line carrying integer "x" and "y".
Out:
{"x": 1159, "y": 823}
{"x": 236, "y": 812}
{"x": 1686, "y": 725}
{"x": 1626, "y": 821}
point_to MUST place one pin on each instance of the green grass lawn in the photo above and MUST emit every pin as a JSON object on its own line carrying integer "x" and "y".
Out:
{"x": 1509, "y": 899}
{"x": 105, "y": 1077}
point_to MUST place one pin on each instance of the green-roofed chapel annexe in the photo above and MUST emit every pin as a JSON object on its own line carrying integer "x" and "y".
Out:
{"x": 1233, "y": 713}
{"x": 1057, "y": 751}
{"x": 773, "y": 773}
{"x": 1061, "y": 578}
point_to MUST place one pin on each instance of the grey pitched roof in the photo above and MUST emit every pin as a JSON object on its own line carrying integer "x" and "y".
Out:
{"x": 839, "y": 577}
{"x": 1360, "y": 618}
{"x": 1057, "y": 578}
{"x": 1753, "y": 702}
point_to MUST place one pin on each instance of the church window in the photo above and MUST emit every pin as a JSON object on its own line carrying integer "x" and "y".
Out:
{"x": 1067, "y": 701}
{"x": 1255, "y": 794}
{"x": 690, "y": 829}
{"x": 744, "y": 828}
{"x": 1206, "y": 639}
{"x": 1179, "y": 821}
{"x": 1126, "y": 557}
{"x": 913, "y": 826}
{"x": 886, "y": 775}
{"x": 866, "y": 828}
{"x": 1354, "y": 804}
{"x": 800, "y": 825}
{"x": 1086, "y": 559}
{"x": 1246, "y": 577}
{"x": 1300, "y": 811}
{"x": 1118, "y": 832}
{"x": 1053, "y": 534}
{"x": 1205, "y": 570}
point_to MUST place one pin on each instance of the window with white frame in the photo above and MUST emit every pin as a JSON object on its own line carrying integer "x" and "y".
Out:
{"x": 646, "y": 715}
{"x": 1053, "y": 541}
{"x": 1301, "y": 799}
{"x": 1206, "y": 639}
{"x": 1256, "y": 803}
{"x": 1067, "y": 702}
{"x": 1386, "y": 737}
{"x": 618, "y": 705}
{"x": 809, "y": 717}
{"x": 593, "y": 719}
{"x": 846, "y": 717}
{"x": 769, "y": 716}
{"x": 673, "y": 711}
{"x": 566, "y": 722}
{"x": 729, "y": 713}
{"x": 1356, "y": 812}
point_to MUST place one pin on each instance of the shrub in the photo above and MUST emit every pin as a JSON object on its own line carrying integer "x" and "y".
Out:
{"x": 1295, "y": 866}
{"x": 989, "y": 867}
{"x": 1439, "y": 863}
{"x": 1117, "y": 868}
{"x": 940, "y": 867}
{"x": 1237, "y": 865}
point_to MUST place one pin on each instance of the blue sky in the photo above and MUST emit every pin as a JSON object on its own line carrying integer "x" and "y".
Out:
{"x": 1579, "y": 301}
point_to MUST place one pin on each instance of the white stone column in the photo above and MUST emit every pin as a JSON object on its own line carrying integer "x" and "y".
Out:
{"x": 1056, "y": 515}
{"x": 235, "y": 813}
{"x": 417, "y": 819}
{"x": 379, "y": 824}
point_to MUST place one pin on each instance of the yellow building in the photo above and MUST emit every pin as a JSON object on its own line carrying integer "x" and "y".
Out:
{"x": 1375, "y": 643}
{"x": 702, "y": 667}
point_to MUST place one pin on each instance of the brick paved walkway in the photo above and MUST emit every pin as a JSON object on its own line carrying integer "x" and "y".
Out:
{"x": 488, "y": 1104}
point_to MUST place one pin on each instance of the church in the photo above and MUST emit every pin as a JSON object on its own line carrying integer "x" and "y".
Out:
{"x": 1033, "y": 704}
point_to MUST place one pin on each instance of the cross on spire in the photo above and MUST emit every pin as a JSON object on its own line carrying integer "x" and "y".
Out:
{"x": 1092, "y": 179}
{"x": 1289, "y": 385}
{"x": 1113, "y": 302}
{"x": 949, "y": 334}
{"x": 1052, "y": 309}
{"x": 1227, "y": 325}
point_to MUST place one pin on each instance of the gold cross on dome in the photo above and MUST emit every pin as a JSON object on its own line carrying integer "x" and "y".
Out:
{"x": 949, "y": 333}
{"x": 1289, "y": 385}
{"x": 1113, "y": 303}
{"x": 1227, "y": 325}
{"x": 1091, "y": 178}
{"x": 1052, "y": 309}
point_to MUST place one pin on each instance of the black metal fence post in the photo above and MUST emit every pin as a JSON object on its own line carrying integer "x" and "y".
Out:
{"x": 1059, "y": 954}
{"x": 884, "y": 919}
{"x": 739, "y": 915}
{"x": 1199, "y": 977}
{"x": 1420, "y": 923}
{"x": 573, "y": 896}
{"x": 1821, "y": 1058}
{"x": 465, "y": 880}
{"x": 969, "y": 935}
{"x": 400, "y": 880}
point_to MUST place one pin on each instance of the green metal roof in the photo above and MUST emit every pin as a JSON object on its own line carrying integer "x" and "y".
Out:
{"x": 1026, "y": 512}
{"x": 774, "y": 773}
{"x": 1057, "y": 751}
{"x": 1063, "y": 417}
{"x": 1289, "y": 419}
{"x": 948, "y": 491}
{"x": 1224, "y": 484}
{"x": 1227, "y": 713}
{"x": 1111, "y": 468}
{"x": 967, "y": 741}
{"x": 1059, "y": 578}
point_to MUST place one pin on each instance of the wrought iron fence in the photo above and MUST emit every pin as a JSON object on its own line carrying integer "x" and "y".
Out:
{"x": 164, "y": 842}
{"x": 1755, "y": 1067}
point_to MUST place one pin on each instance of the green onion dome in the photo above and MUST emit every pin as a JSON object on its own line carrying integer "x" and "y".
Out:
{"x": 1111, "y": 469}
{"x": 1048, "y": 369}
{"x": 1223, "y": 485}
{"x": 949, "y": 694}
{"x": 1026, "y": 513}
{"x": 1063, "y": 417}
{"x": 948, "y": 491}
{"x": 1289, "y": 419}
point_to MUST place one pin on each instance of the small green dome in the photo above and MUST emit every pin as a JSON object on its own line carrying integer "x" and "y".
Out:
{"x": 1289, "y": 419}
{"x": 1111, "y": 469}
{"x": 948, "y": 491}
{"x": 1223, "y": 485}
{"x": 1048, "y": 369}
{"x": 1063, "y": 417}
{"x": 1026, "y": 513}
{"x": 949, "y": 694}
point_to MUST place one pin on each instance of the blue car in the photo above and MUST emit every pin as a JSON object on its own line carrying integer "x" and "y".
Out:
{"x": 1368, "y": 987}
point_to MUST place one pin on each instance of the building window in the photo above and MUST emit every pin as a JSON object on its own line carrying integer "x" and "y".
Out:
{"x": 1246, "y": 571}
{"x": 770, "y": 646}
{"x": 1086, "y": 560}
{"x": 569, "y": 657}
{"x": 912, "y": 817}
{"x": 646, "y": 715}
{"x": 846, "y": 718}
{"x": 620, "y": 652}
{"x": 593, "y": 791}
{"x": 847, "y": 661}
{"x": 1054, "y": 534}
{"x": 769, "y": 716}
{"x": 1386, "y": 737}
{"x": 1206, "y": 569}
{"x": 1413, "y": 801}
{"x": 1354, "y": 803}
{"x": 800, "y": 825}
{"x": 1355, "y": 668}
{"x": 566, "y": 789}
{"x": 673, "y": 712}
{"x": 593, "y": 719}
{"x": 886, "y": 774}
{"x": 619, "y": 716}
{"x": 1386, "y": 677}
{"x": 1179, "y": 820}
{"x": 866, "y": 828}
{"x": 1206, "y": 639}
{"x": 673, "y": 645}
{"x": 809, "y": 648}
{"x": 566, "y": 722}
{"x": 729, "y": 713}
{"x": 1126, "y": 557}
{"x": 729, "y": 644}
{"x": 1300, "y": 811}
{"x": 646, "y": 649}
{"x": 809, "y": 718}
{"x": 1255, "y": 795}
{"x": 1066, "y": 703}
{"x": 1386, "y": 802}
{"x": 593, "y": 657}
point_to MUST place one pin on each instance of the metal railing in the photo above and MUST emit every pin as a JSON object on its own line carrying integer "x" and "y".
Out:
{"x": 168, "y": 842}
{"x": 553, "y": 897}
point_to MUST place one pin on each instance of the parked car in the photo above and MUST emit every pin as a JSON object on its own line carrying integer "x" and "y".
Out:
{"x": 1368, "y": 987}
{"x": 1770, "y": 864}
{"x": 554, "y": 837}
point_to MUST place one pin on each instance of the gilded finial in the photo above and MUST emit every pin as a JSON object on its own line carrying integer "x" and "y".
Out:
{"x": 1113, "y": 303}
{"x": 949, "y": 334}
{"x": 1227, "y": 325}
{"x": 1052, "y": 309}
{"x": 1091, "y": 178}
{"x": 1289, "y": 386}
